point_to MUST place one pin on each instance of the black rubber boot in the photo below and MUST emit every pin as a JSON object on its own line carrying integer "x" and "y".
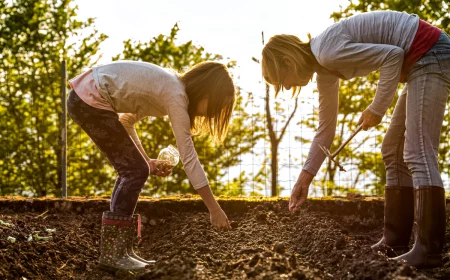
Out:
{"x": 398, "y": 221}
{"x": 429, "y": 228}
{"x": 136, "y": 236}
{"x": 116, "y": 232}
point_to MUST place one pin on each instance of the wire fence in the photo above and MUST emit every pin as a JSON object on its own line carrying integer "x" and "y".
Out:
{"x": 256, "y": 164}
{"x": 293, "y": 151}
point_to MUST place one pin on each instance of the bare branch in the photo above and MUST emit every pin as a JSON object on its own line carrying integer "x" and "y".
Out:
{"x": 288, "y": 121}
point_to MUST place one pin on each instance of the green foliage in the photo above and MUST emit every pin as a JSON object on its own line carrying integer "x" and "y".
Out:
{"x": 156, "y": 133}
{"x": 36, "y": 36}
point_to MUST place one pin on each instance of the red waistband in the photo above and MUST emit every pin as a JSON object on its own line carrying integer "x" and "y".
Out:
{"x": 426, "y": 36}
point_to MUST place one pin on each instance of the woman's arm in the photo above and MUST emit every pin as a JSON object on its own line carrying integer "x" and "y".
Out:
{"x": 360, "y": 59}
{"x": 328, "y": 86}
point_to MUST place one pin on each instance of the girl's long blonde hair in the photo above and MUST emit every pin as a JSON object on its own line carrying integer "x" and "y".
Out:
{"x": 290, "y": 46}
{"x": 212, "y": 81}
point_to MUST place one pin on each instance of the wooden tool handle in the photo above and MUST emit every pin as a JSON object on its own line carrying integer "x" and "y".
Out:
{"x": 358, "y": 129}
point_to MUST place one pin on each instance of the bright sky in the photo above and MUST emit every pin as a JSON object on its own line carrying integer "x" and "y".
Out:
{"x": 231, "y": 28}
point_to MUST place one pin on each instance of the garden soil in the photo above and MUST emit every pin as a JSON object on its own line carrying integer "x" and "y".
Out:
{"x": 327, "y": 239}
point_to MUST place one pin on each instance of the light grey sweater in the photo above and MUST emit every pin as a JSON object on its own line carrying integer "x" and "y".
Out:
{"x": 355, "y": 47}
{"x": 140, "y": 89}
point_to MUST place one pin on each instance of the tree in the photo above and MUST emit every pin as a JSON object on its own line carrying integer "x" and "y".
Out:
{"x": 36, "y": 36}
{"x": 156, "y": 133}
{"x": 274, "y": 138}
{"x": 275, "y": 135}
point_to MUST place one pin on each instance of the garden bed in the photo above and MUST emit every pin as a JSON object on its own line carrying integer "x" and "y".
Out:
{"x": 327, "y": 239}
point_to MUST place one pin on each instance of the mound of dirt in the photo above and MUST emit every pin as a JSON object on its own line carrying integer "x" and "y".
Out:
{"x": 266, "y": 242}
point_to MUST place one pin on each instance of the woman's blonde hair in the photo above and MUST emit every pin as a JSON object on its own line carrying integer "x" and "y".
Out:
{"x": 290, "y": 46}
{"x": 212, "y": 81}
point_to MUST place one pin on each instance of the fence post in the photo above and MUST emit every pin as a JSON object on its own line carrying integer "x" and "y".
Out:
{"x": 63, "y": 131}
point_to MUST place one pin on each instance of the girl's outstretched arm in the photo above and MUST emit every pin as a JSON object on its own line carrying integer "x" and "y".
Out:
{"x": 218, "y": 218}
{"x": 300, "y": 191}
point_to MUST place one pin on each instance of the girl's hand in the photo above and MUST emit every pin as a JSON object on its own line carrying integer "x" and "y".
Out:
{"x": 160, "y": 167}
{"x": 217, "y": 216}
{"x": 300, "y": 191}
{"x": 298, "y": 196}
{"x": 219, "y": 219}
{"x": 369, "y": 119}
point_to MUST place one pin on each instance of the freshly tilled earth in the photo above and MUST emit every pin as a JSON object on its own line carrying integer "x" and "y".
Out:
{"x": 266, "y": 242}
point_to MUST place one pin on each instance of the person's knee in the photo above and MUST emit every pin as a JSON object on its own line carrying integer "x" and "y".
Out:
{"x": 388, "y": 152}
{"x": 413, "y": 160}
{"x": 135, "y": 175}
{"x": 142, "y": 172}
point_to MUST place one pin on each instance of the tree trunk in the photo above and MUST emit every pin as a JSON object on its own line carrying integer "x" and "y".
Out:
{"x": 274, "y": 169}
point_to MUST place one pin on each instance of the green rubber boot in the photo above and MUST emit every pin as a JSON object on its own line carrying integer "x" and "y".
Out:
{"x": 116, "y": 232}
{"x": 136, "y": 236}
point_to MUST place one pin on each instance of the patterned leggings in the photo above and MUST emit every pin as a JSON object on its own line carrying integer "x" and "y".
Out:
{"x": 105, "y": 129}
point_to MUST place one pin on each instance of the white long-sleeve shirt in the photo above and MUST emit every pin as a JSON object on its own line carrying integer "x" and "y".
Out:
{"x": 139, "y": 89}
{"x": 355, "y": 47}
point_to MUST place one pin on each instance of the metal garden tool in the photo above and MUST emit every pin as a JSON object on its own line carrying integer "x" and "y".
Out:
{"x": 331, "y": 156}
